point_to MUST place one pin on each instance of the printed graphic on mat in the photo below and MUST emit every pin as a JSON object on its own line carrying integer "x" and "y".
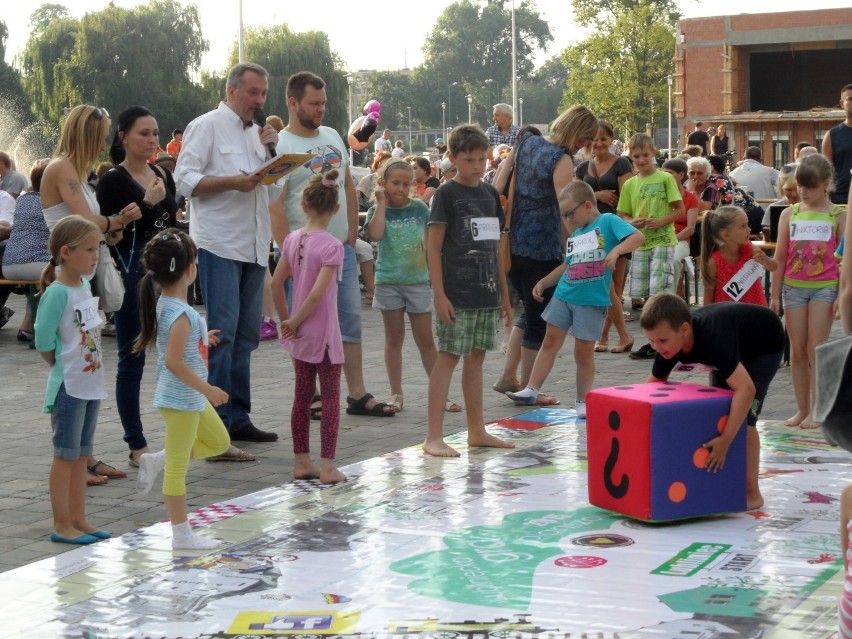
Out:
{"x": 495, "y": 565}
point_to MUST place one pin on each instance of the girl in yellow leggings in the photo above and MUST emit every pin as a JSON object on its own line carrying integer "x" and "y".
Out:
{"x": 185, "y": 399}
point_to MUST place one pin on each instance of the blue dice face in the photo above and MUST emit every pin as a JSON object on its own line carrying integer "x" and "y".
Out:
{"x": 646, "y": 454}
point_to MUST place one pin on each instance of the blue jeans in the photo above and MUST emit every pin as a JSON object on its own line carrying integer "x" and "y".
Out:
{"x": 233, "y": 297}
{"x": 73, "y": 421}
{"x": 349, "y": 298}
{"x": 128, "y": 375}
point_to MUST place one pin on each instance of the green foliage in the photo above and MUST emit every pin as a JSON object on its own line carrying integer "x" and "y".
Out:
{"x": 116, "y": 58}
{"x": 623, "y": 64}
{"x": 284, "y": 52}
{"x": 471, "y": 43}
{"x": 542, "y": 94}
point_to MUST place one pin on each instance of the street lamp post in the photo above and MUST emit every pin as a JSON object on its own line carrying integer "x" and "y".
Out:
{"x": 443, "y": 116}
{"x": 652, "y": 117}
{"x": 409, "y": 129}
{"x": 521, "y": 114}
{"x": 669, "y": 80}
{"x": 349, "y": 80}
{"x": 469, "y": 107}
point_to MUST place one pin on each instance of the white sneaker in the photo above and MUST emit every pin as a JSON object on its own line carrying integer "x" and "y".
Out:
{"x": 150, "y": 465}
{"x": 580, "y": 407}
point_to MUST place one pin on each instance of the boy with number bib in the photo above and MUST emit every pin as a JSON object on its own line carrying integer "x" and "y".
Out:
{"x": 581, "y": 300}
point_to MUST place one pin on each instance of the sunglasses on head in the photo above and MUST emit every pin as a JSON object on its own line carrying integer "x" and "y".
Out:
{"x": 99, "y": 113}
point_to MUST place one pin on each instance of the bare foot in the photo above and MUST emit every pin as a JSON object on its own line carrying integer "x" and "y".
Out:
{"x": 306, "y": 470}
{"x": 796, "y": 419}
{"x": 487, "y": 440}
{"x": 438, "y": 448}
{"x": 753, "y": 502}
{"x": 504, "y": 386}
{"x": 331, "y": 475}
{"x": 808, "y": 423}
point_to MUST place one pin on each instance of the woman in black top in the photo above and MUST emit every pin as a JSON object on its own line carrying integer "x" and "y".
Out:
{"x": 719, "y": 142}
{"x": 606, "y": 173}
{"x": 153, "y": 189}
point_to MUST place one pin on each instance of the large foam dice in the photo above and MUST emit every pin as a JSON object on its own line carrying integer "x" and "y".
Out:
{"x": 646, "y": 458}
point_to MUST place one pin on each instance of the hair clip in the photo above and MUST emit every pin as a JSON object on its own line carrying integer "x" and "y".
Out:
{"x": 172, "y": 266}
{"x": 149, "y": 273}
{"x": 329, "y": 183}
{"x": 53, "y": 262}
{"x": 177, "y": 237}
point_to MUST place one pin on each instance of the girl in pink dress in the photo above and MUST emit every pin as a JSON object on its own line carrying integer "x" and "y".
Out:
{"x": 731, "y": 268}
{"x": 311, "y": 333}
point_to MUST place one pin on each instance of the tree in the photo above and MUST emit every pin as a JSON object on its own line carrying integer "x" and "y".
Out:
{"x": 283, "y": 52}
{"x": 622, "y": 66}
{"x": 543, "y": 92}
{"x": 471, "y": 44}
{"x": 115, "y": 58}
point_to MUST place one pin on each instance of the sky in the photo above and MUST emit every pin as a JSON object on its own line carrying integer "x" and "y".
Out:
{"x": 374, "y": 34}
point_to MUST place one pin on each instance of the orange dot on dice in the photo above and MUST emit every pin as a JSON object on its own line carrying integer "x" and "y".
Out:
{"x": 720, "y": 425}
{"x": 677, "y": 492}
{"x": 699, "y": 457}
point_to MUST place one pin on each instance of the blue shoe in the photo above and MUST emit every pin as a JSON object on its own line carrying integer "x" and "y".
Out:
{"x": 82, "y": 540}
{"x": 521, "y": 401}
{"x": 101, "y": 534}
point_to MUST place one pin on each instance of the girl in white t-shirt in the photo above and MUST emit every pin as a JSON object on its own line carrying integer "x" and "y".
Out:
{"x": 183, "y": 394}
{"x": 68, "y": 336}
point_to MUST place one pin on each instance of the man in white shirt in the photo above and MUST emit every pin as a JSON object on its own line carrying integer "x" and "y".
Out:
{"x": 760, "y": 179}
{"x": 384, "y": 143}
{"x": 221, "y": 153}
{"x": 304, "y": 133}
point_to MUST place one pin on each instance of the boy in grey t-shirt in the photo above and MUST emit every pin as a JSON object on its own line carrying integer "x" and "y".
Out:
{"x": 468, "y": 284}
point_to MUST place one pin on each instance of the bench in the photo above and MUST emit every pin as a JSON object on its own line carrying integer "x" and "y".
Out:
{"x": 30, "y": 289}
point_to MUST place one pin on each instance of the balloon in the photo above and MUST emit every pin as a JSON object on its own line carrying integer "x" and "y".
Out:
{"x": 360, "y": 132}
{"x": 373, "y": 106}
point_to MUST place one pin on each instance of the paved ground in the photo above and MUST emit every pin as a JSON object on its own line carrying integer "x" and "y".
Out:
{"x": 25, "y": 449}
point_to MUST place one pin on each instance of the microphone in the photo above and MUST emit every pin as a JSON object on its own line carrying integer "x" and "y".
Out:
{"x": 260, "y": 120}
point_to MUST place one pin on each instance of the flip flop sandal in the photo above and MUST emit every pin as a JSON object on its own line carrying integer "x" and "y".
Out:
{"x": 396, "y": 402}
{"x": 452, "y": 407}
{"x": 106, "y": 470}
{"x": 132, "y": 462}
{"x": 93, "y": 479}
{"x": 316, "y": 411}
{"x": 541, "y": 400}
{"x": 239, "y": 455}
{"x": 359, "y": 407}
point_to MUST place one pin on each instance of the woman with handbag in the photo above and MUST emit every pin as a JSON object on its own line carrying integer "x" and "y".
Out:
{"x": 65, "y": 191}
{"x": 541, "y": 167}
{"x": 135, "y": 182}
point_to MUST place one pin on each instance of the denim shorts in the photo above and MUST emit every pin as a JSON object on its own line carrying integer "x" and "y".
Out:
{"x": 73, "y": 421}
{"x": 795, "y": 296}
{"x": 412, "y": 298}
{"x": 584, "y": 322}
{"x": 349, "y": 298}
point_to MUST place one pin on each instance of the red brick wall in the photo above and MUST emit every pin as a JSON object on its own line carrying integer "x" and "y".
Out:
{"x": 704, "y": 83}
{"x": 790, "y": 19}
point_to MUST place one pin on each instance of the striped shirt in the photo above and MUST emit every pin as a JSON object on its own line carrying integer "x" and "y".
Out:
{"x": 172, "y": 392}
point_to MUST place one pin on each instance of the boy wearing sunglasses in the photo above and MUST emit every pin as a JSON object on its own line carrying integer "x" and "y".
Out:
{"x": 582, "y": 282}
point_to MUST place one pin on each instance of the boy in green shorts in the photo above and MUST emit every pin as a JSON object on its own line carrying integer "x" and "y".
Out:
{"x": 650, "y": 201}
{"x": 468, "y": 285}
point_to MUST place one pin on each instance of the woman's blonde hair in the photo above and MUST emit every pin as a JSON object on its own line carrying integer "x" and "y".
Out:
{"x": 83, "y": 134}
{"x": 575, "y": 124}
{"x": 70, "y": 231}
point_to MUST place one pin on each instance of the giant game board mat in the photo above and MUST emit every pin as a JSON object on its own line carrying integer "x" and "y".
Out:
{"x": 496, "y": 544}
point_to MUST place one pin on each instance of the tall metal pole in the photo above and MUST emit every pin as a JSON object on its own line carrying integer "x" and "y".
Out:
{"x": 469, "y": 107}
{"x": 514, "y": 64}
{"x": 669, "y": 80}
{"x": 409, "y": 129}
{"x": 521, "y": 115}
{"x": 349, "y": 80}
{"x": 242, "y": 45}
{"x": 443, "y": 118}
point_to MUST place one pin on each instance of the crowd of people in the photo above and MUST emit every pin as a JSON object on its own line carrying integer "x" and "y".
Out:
{"x": 574, "y": 219}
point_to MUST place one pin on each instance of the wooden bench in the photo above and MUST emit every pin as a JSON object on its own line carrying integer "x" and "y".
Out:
{"x": 30, "y": 290}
